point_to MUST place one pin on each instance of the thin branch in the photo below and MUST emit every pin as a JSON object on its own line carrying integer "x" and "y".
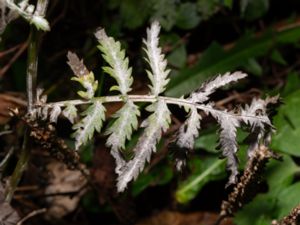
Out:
{"x": 148, "y": 98}
{"x": 10, "y": 50}
{"x": 19, "y": 169}
{"x": 41, "y": 7}
{"x": 32, "y": 65}
{"x": 220, "y": 220}
{"x": 32, "y": 214}
{"x": 31, "y": 82}
{"x": 14, "y": 58}
{"x": 5, "y": 132}
{"x": 4, "y": 161}
{"x": 13, "y": 99}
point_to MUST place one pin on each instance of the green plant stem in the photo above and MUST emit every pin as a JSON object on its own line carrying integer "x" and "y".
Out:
{"x": 19, "y": 169}
{"x": 32, "y": 64}
{"x": 151, "y": 98}
{"x": 31, "y": 77}
{"x": 31, "y": 86}
{"x": 201, "y": 176}
{"x": 4, "y": 162}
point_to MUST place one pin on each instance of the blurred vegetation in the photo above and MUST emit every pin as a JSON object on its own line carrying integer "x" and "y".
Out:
{"x": 201, "y": 39}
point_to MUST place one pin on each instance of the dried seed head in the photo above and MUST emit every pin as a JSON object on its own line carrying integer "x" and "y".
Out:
{"x": 246, "y": 189}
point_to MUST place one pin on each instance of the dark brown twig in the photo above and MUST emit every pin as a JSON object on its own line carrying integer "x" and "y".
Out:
{"x": 14, "y": 58}
{"x": 246, "y": 189}
{"x": 292, "y": 219}
{"x": 32, "y": 214}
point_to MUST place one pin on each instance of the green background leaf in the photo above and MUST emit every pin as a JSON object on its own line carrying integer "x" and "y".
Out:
{"x": 287, "y": 122}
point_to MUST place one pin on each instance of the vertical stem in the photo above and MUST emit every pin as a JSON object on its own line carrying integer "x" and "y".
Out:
{"x": 31, "y": 82}
{"x": 19, "y": 169}
{"x": 31, "y": 76}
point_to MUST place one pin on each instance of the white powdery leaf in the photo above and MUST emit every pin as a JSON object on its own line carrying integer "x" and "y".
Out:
{"x": 93, "y": 120}
{"x": 28, "y": 14}
{"x": 255, "y": 114}
{"x": 121, "y": 130}
{"x": 7, "y": 17}
{"x": 201, "y": 95}
{"x": 77, "y": 65}
{"x": 157, "y": 123}
{"x": 229, "y": 145}
{"x": 40, "y": 23}
{"x": 189, "y": 130}
{"x": 157, "y": 62}
{"x": 83, "y": 76}
{"x": 119, "y": 64}
{"x": 253, "y": 140}
{"x": 70, "y": 112}
{"x": 45, "y": 113}
{"x": 55, "y": 112}
{"x": 227, "y": 141}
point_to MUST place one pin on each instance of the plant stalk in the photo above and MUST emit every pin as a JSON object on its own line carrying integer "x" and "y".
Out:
{"x": 31, "y": 86}
{"x": 19, "y": 169}
{"x": 31, "y": 76}
{"x": 150, "y": 98}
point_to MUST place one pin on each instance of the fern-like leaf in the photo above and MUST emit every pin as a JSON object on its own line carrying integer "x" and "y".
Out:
{"x": 83, "y": 76}
{"x": 155, "y": 124}
{"x": 118, "y": 63}
{"x": 93, "y": 120}
{"x": 77, "y": 65}
{"x": 27, "y": 12}
{"x": 209, "y": 87}
{"x": 260, "y": 128}
{"x": 229, "y": 123}
{"x": 121, "y": 130}
{"x": 157, "y": 62}
{"x": 189, "y": 130}
{"x": 187, "y": 133}
{"x": 55, "y": 112}
{"x": 251, "y": 113}
{"x": 229, "y": 146}
{"x": 70, "y": 112}
{"x": 7, "y": 17}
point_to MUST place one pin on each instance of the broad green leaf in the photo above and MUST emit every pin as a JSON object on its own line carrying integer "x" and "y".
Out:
{"x": 133, "y": 13}
{"x": 258, "y": 212}
{"x": 292, "y": 84}
{"x": 228, "y": 3}
{"x": 159, "y": 175}
{"x": 207, "y": 140}
{"x": 277, "y": 57}
{"x": 178, "y": 57}
{"x": 252, "y": 10}
{"x": 288, "y": 199}
{"x": 215, "y": 60}
{"x": 253, "y": 67}
{"x": 204, "y": 170}
{"x": 280, "y": 174}
{"x": 187, "y": 16}
{"x": 207, "y": 8}
{"x": 165, "y": 11}
{"x": 265, "y": 207}
{"x": 287, "y": 122}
